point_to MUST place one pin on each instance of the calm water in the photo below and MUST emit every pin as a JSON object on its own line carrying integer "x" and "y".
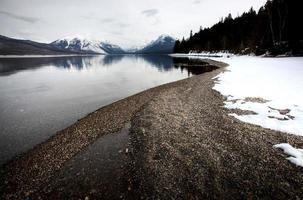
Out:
{"x": 40, "y": 96}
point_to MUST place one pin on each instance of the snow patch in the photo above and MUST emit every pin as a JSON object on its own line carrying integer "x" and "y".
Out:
{"x": 279, "y": 81}
{"x": 296, "y": 155}
{"x": 225, "y": 54}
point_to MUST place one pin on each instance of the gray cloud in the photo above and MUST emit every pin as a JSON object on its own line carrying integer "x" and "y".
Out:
{"x": 108, "y": 20}
{"x": 123, "y": 25}
{"x": 156, "y": 22}
{"x": 196, "y": 1}
{"x": 19, "y": 17}
{"x": 116, "y": 32}
{"x": 103, "y": 20}
{"x": 87, "y": 17}
{"x": 150, "y": 12}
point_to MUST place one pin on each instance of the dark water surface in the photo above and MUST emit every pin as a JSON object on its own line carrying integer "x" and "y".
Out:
{"x": 40, "y": 96}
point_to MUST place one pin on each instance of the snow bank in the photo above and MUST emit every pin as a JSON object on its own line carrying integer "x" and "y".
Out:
{"x": 270, "y": 87}
{"x": 211, "y": 54}
{"x": 296, "y": 155}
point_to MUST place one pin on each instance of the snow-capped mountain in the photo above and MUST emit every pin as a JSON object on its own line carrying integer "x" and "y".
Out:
{"x": 78, "y": 45}
{"x": 87, "y": 46}
{"x": 162, "y": 45}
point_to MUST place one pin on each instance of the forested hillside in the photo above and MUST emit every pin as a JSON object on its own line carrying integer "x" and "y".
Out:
{"x": 275, "y": 29}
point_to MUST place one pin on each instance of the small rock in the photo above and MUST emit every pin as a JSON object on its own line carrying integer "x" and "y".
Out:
{"x": 143, "y": 130}
{"x": 290, "y": 117}
{"x": 284, "y": 112}
{"x": 28, "y": 193}
{"x": 93, "y": 191}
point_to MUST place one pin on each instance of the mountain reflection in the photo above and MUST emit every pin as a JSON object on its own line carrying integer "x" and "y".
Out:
{"x": 161, "y": 62}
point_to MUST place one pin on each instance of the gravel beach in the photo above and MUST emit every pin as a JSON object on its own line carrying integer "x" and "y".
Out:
{"x": 181, "y": 144}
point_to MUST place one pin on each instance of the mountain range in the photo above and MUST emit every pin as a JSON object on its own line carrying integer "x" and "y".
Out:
{"x": 88, "y": 46}
{"x": 164, "y": 44}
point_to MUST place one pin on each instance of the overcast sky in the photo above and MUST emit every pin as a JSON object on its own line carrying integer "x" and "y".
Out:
{"x": 123, "y": 22}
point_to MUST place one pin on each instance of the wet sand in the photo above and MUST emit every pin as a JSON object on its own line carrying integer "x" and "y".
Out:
{"x": 98, "y": 171}
{"x": 182, "y": 144}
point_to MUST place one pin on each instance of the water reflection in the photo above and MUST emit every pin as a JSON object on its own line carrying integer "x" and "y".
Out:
{"x": 12, "y": 65}
{"x": 39, "y": 96}
{"x": 112, "y": 59}
{"x": 192, "y": 65}
{"x": 161, "y": 62}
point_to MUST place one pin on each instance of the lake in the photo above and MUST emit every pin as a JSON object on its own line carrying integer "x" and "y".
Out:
{"x": 42, "y": 95}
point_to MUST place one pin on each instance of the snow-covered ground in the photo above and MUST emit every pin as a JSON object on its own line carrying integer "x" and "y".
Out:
{"x": 270, "y": 87}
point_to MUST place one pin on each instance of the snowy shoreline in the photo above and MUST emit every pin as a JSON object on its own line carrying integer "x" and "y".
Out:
{"x": 270, "y": 89}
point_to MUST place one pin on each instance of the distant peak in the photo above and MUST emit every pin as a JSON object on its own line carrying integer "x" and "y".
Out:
{"x": 164, "y": 36}
{"x": 78, "y": 38}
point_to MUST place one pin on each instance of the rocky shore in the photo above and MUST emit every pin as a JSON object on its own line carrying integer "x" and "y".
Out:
{"x": 181, "y": 144}
{"x": 186, "y": 146}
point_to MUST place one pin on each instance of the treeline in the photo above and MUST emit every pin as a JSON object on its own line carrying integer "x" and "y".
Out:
{"x": 275, "y": 29}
